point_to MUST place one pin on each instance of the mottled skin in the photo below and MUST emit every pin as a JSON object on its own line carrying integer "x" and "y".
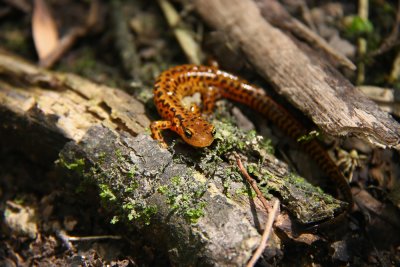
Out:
{"x": 213, "y": 84}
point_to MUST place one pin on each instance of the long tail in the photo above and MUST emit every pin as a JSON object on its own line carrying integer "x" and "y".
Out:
{"x": 243, "y": 92}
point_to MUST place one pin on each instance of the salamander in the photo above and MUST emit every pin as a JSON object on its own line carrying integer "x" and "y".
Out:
{"x": 213, "y": 84}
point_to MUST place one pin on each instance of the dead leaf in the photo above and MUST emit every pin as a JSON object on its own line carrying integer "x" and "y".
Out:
{"x": 44, "y": 29}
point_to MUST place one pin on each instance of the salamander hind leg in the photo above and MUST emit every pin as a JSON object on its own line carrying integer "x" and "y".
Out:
{"x": 156, "y": 127}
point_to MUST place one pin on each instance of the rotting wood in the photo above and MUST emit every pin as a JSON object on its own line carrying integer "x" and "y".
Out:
{"x": 100, "y": 131}
{"x": 310, "y": 84}
{"x": 277, "y": 15}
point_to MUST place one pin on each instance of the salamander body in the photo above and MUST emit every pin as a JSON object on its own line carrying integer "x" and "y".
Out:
{"x": 213, "y": 84}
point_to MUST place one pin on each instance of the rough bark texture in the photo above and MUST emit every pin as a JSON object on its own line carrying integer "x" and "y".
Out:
{"x": 189, "y": 203}
{"x": 315, "y": 88}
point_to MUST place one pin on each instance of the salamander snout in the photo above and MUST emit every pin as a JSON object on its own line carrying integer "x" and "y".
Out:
{"x": 198, "y": 133}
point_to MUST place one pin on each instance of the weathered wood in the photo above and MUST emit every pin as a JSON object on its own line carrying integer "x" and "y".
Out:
{"x": 189, "y": 201}
{"x": 310, "y": 84}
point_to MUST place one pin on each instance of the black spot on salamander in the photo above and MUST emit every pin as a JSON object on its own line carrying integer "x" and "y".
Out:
{"x": 159, "y": 94}
{"x": 223, "y": 81}
{"x": 179, "y": 117}
{"x": 173, "y": 110}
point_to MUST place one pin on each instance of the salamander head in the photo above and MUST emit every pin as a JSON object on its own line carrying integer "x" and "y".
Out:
{"x": 197, "y": 132}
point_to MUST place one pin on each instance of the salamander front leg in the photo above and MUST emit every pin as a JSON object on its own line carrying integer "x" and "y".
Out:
{"x": 156, "y": 127}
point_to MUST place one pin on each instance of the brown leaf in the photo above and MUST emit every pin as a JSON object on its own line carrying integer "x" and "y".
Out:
{"x": 44, "y": 29}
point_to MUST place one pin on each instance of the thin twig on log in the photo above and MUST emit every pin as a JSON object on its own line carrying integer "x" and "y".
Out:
{"x": 267, "y": 231}
{"x": 253, "y": 183}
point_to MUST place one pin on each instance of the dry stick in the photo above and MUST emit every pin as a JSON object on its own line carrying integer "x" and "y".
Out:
{"x": 265, "y": 236}
{"x": 271, "y": 213}
{"x": 188, "y": 44}
{"x": 252, "y": 182}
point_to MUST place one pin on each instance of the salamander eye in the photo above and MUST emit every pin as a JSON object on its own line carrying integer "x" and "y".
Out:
{"x": 188, "y": 133}
{"x": 213, "y": 132}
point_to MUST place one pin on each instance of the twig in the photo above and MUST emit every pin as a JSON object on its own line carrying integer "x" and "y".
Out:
{"x": 271, "y": 213}
{"x": 189, "y": 46}
{"x": 67, "y": 239}
{"x": 252, "y": 183}
{"x": 362, "y": 43}
{"x": 265, "y": 236}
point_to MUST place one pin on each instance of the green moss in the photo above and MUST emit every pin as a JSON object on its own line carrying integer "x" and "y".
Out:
{"x": 246, "y": 191}
{"x": 184, "y": 197}
{"x": 120, "y": 156}
{"x": 358, "y": 26}
{"x": 114, "y": 220}
{"x": 106, "y": 193}
{"x": 230, "y": 138}
{"x": 139, "y": 211}
{"x": 132, "y": 187}
{"x": 148, "y": 213}
{"x": 101, "y": 157}
{"x": 162, "y": 189}
{"x": 194, "y": 214}
{"x": 78, "y": 165}
{"x": 176, "y": 180}
{"x": 131, "y": 173}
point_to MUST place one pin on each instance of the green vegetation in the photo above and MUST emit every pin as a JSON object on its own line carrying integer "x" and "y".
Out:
{"x": 106, "y": 193}
{"x": 184, "y": 197}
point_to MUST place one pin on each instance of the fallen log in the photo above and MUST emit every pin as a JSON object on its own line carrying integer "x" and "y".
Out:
{"x": 193, "y": 204}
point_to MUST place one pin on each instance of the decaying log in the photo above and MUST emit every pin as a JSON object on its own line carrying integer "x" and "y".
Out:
{"x": 310, "y": 84}
{"x": 188, "y": 203}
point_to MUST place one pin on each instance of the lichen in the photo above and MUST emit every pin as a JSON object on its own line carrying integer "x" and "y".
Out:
{"x": 184, "y": 197}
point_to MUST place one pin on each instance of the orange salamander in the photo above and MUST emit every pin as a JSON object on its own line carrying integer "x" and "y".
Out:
{"x": 213, "y": 84}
